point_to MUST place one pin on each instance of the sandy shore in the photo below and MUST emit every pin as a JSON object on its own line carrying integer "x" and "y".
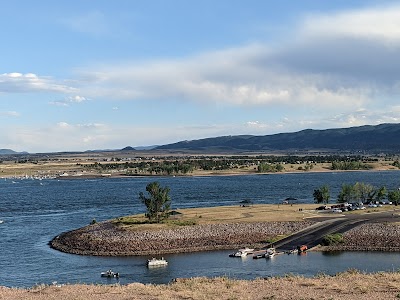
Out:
{"x": 346, "y": 286}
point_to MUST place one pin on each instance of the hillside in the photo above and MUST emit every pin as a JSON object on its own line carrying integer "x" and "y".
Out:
{"x": 379, "y": 138}
{"x": 9, "y": 152}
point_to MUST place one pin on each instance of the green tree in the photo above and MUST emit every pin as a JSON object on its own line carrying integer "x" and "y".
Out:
{"x": 381, "y": 194}
{"x": 363, "y": 192}
{"x": 394, "y": 196}
{"x": 317, "y": 196}
{"x": 322, "y": 195}
{"x": 157, "y": 203}
{"x": 346, "y": 194}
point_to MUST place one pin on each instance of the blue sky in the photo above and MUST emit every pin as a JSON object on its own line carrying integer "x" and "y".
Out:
{"x": 80, "y": 75}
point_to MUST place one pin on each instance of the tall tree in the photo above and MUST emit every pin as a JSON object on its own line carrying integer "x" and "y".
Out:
{"x": 346, "y": 194}
{"x": 394, "y": 196}
{"x": 322, "y": 195}
{"x": 364, "y": 192}
{"x": 381, "y": 194}
{"x": 158, "y": 202}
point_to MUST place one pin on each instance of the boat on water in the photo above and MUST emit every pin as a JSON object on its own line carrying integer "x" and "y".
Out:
{"x": 110, "y": 274}
{"x": 270, "y": 253}
{"x": 293, "y": 251}
{"x": 1, "y": 221}
{"x": 242, "y": 252}
{"x": 155, "y": 262}
{"x": 259, "y": 255}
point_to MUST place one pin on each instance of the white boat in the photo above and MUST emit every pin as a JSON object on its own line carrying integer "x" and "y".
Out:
{"x": 154, "y": 262}
{"x": 270, "y": 253}
{"x": 1, "y": 221}
{"x": 242, "y": 252}
{"x": 110, "y": 274}
{"x": 293, "y": 251}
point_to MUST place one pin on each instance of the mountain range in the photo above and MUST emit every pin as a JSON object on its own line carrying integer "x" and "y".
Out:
{"x": 368, "y": 138}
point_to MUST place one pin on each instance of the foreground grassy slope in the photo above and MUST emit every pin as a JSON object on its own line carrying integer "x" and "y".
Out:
{"x": 349, "y": 285}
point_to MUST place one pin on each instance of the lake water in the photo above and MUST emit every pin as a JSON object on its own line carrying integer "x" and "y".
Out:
{"x": 35, "y": 211}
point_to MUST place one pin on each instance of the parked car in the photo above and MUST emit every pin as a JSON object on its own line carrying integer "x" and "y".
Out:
{"x": 323, "y": 207}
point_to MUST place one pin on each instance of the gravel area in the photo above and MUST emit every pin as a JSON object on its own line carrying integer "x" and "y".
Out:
{"x": 109, "y": 240}
{"x": 370, "y": 237}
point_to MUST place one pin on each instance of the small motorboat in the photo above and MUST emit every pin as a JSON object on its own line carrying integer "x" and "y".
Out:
{"x": 242, "y": 252}
{"x": 270, "y": 253}
{"x": 1, "y": 221}
{"x": 154, "y": 262}
{"x": 110, "y": 274}
{"x": 293, "y": 251}
{"x": 259, "y": 255}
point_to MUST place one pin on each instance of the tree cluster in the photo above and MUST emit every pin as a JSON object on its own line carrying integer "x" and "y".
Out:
{"x": 269, "y": 168}
{"x": 350, "y": 165}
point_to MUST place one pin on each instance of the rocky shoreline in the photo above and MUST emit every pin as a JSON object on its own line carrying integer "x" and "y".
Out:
{"x": 108, "y": 239}
{"x": 370, "y": 237}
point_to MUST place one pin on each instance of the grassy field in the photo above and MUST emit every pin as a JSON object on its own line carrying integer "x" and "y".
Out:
{"x": 227, "y": 214}
{"x": 237, "y": 214}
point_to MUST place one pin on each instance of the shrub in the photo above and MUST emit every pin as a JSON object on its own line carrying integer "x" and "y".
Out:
{"x": 332, "y": 239}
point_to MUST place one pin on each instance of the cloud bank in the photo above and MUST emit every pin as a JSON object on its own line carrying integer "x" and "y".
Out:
{"x": 347, "y": 60}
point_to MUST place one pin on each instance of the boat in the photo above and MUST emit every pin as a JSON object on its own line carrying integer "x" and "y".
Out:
{"x": 270, "y": 253}
{"x": 293, "y": 251}
{"x": 1, "y": 221}
{"x": 154, "y": 262}
{"x": 259, "y": 255}
{"x": 242, "y": 252}
{"x": 110, "y": 274}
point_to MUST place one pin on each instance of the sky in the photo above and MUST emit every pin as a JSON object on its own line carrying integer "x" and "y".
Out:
{"x": 80, "y": 75}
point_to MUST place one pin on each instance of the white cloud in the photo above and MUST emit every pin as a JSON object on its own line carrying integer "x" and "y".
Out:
{"x": 375, "y": 23}
{"x": 9, "y": 114}
{"x": 24, "y": 83}
{"x": 69, "y": 100}
{"x": 77, "y": 99}
{"x": 63, "y": 125}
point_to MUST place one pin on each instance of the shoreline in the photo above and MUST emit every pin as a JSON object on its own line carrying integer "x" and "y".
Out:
{"x": 106, "y": 239}
{"x": 380, "y": 168}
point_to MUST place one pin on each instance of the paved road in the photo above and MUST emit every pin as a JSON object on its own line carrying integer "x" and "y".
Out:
{"x": 313, "y": 235}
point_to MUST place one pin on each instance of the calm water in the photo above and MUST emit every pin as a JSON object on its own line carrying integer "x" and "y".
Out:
{"x": 35, "y": 211}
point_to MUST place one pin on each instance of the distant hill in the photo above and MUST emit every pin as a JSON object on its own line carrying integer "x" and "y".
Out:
{"x": 128, "y": 148}
{"x": 384, "y": 137}
{"x": 10, "y": 152}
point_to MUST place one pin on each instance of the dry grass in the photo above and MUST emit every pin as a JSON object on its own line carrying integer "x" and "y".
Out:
{"x": 348, "y": 285}
{"x": 226, "y": 215}
{"x": 253, "y": 213}
{"x": 238, "y": 214}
